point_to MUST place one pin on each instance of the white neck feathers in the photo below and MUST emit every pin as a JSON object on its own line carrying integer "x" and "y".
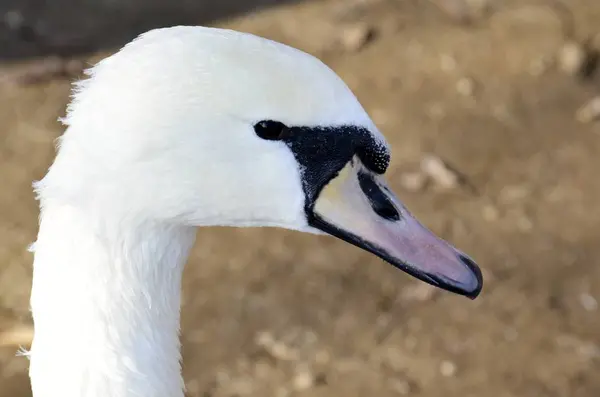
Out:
{"x": 106, "y": 303}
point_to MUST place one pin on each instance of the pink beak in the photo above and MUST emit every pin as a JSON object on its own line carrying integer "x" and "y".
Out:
{"x": 356, "y": 206}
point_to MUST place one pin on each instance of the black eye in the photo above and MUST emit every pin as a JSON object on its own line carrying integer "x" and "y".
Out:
{"x": 271, "y": 130}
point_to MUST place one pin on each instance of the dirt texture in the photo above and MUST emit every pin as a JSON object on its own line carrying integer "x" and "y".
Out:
{"x": 492, "y": 111}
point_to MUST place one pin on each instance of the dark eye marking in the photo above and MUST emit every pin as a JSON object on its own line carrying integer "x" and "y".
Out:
{"x": 380, "y": 202}
{"x": 270, "y": 130}
{"x": 323, "y": 151}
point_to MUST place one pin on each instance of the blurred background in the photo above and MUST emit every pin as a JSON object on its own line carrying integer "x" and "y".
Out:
{"x": 493, "y": 111}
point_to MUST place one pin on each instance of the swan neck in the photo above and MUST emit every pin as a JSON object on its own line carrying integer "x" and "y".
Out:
{"x": 105, "y": 302}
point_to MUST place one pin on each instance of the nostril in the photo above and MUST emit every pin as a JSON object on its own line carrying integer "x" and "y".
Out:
{"x": 385, "y": 210}
{"x": 379, "y": 201}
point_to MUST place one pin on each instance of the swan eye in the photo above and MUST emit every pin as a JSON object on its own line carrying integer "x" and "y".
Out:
{"x": 270, "y": 130}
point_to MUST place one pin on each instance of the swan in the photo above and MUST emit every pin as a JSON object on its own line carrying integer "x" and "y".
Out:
{"x": 187, "y": 127}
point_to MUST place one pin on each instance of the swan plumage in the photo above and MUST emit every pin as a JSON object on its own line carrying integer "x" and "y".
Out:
{"x": 188, "y": 127}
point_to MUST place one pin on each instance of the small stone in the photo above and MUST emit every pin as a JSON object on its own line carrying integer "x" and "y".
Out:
{"x": 490, "y": 213}
{"x": 514, "y": 193}
{"x": 589, "y": 112}
{"x": 448, "y": 63}
{"x": 587, "y": 350}
{"x": 281, "y": 351}
{"x": 193, "y": 387}
{"x": 572, "y": 57}
{"x": 524, "y": 224}
{"x": 400, "y": 386}
{"x": 304, "y": 380}
{"x": 413, "y": 181}
{"x": 356, "y": 37}
{"x": 322, "y": 357}
{"x": 436, "y": 111}
{"x": 383, "y": 320}
{"x": 447, "y": 368}
{"x": 503, "y": 113}
{"x": 275, "y": 348}
{"x": 264, "y": 338}
{"x": 439, "y": 172}
{"x": 465, "y": 87}
{"x": 588, "y": 302}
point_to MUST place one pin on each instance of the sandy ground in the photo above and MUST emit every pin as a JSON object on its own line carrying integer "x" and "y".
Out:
{"x": 496, "y": 93}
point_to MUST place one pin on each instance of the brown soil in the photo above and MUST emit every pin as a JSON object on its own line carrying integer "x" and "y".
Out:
{"x": 276, "y": 313}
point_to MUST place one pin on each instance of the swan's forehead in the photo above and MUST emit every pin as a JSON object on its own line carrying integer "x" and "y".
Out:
{"x": 290, "y": 86}
{"x": 251, "y": 77}
{"x": 293, "y": 91}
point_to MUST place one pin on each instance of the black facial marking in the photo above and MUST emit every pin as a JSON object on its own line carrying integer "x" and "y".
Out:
{"x": 375, "y": 160}
{"x": 380, "y": 202}
{"x": 323, "y": 151}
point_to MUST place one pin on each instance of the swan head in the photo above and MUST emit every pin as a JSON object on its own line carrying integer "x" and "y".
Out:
{"x": 202, "y": 126}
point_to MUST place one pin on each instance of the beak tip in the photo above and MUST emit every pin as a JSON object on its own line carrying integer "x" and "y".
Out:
{"x": 473, "y": 292}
